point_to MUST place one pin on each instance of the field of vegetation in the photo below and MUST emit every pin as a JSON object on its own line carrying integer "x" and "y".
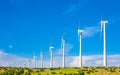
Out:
{"x": 61, "y": 71}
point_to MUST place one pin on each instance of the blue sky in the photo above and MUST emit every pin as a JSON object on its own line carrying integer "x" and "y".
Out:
{"x": 29, "y": 26}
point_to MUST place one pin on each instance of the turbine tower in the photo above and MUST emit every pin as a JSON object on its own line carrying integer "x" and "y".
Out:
{"x": 103, "y": 24}
{"x": 63, "y": 50}
{"x": 34, "y": 59}
{"x": 29, "y": 63}
{"x": 41, "y": 57}
{"x": 24, "y": 65}
{"x": 80, "y": 40}
{"x": 51, "y": 56}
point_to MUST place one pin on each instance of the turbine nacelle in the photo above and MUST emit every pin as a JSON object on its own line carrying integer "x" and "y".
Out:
{"x": 103, "y": 22}
{"x": 29, "y": 60}
{"x": 80, "y": 31}
{"x": 51, "y": 47}
{"x": 63, "y": 40}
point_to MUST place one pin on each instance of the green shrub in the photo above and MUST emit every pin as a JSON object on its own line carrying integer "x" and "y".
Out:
{"x": 29, "y": 70}
{"x": 37, "y": 71}
{"x": 51, "y": 68}
{"x": 75, "y": 74}
{"x": 42, "y": 70}
{"x": 60, "y": 73}
{"x": 88, "y": 72}
{"x": 96, "y": 71}
{"x": 27, "y": 73}
{"x": 21, "y": 70}
{"x": 39, "y": 74}
{"x": 70, "y": 74}
{"x": 17, "y": 73}
{"x": 53, "y": 73}
{"x": 81, "y": 73}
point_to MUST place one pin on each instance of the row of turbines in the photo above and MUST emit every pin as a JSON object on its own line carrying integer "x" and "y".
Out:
{"x": 80, "y": 32}
{"x": 103, "y": 27}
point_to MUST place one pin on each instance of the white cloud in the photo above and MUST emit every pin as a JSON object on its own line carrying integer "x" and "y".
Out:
{"x": 7, "y": 59}
{"x": 96, "y": 60}
{"x": 74, "y": 7}
{"x": 2, "y": 53}
{"x": 90, "y": 31}
{"x": 93, "y": 60}
{"x": 68, "y": 47}
{"x": 10, "y": 59}
{"x": 70, "y": 61}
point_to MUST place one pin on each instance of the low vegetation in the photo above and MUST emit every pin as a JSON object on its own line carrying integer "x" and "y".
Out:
{"x": 61, "y": 71}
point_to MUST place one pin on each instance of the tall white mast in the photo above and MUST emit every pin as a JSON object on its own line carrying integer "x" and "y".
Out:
{"x": 103, "y": 23}
{"x": 29, "y": 63}
{"x": 24, "y": 65}
{"x": 41, "y": 56}
{"x": 80, "y": 40}
{"x": 51, "y": 56}
{"x": 34, "y": 58}
{"x": 63, "y": 49}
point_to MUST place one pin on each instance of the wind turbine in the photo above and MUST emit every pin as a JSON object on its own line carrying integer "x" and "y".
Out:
{"x": 34, "y": 59}
{"x": 103, "y": 24}
{"x": 80, "y": 40}
{"x": 63, "y": 51}
{"x": 51, "y": 56}
{"x": 29, "y": 63}
{"x": 41, "y": 57}
{"x": 24, "y": 65}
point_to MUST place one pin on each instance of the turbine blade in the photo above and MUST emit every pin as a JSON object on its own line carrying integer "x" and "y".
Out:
{"x": 78, "y": 35}
{"x": 101, "y": 25}
{"x": 101, "y": 29}
{"x": 61, "y": 44}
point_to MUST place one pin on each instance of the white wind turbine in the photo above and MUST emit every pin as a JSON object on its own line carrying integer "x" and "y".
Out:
{"x": 63, "y": 51}
{"x": 34, "y": 59}
{"x": 24, "y": 65}
{"x": 80, "y": 40}
{"x": 51, "y": 56}
{"x": 41, "y": 60}
{"x": 29, "y": 63}
{"x": 103, "y": 27}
